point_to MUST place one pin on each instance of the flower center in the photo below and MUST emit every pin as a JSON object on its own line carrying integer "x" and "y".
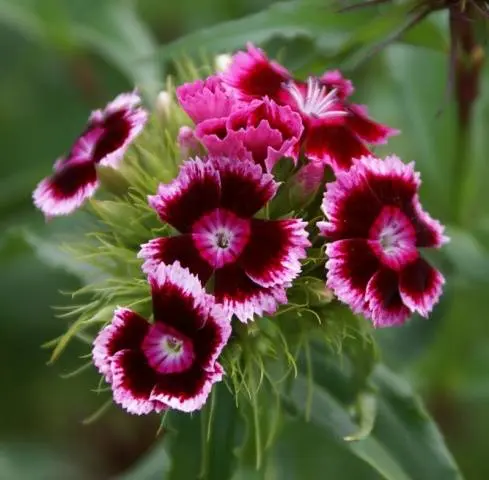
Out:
{"x": 393, "y": 238}
{"x": 220, "y": 237}
{"x": 167, "y": 350}
{"x": 315, "y": 100}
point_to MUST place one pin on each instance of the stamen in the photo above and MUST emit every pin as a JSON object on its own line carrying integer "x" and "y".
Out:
{"x": 316, "y": 102}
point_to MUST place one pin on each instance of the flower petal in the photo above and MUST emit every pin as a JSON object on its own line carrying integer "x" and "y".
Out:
{"x": 253, "y": 75}
{"x": 274, "y": 251}
{"x": 67, "y": 189}
{"x": 122, "y": 121}
{"x": 206, "y": 99}
{"x": 179, "y": 248}
{"x": 245, "y": 189}
{"x": 384, "y": 301}
{"x": 186, "y": 391}
{"x": 133, "y": 382}
{"x": 429, "y": 232}
{"x": 334, "y": 145}
{"x": 271, "y": 131}
{"x": 180, "y": 301}
{"x": 351, "y": 265}
{"x": 355, "y": 199}
{"x": 219, "y": 141}
{"x": 365, "y": 128}
{"x": 193, "y": 193}
{"x": 126, "y": 331}
{"x": 239, "y": 295}
{"x": 420, "y": 286}
{"x": 334, "y": 79}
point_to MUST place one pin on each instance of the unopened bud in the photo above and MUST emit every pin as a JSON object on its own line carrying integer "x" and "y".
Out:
{"x": 187, "y": 141}
{"x": 305, "y": 184}
{"x": 223, "y": 61}
{"x": 163, "y": 104}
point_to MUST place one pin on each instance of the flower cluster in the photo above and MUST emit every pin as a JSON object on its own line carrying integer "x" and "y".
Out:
{"x": 226, "y": 255}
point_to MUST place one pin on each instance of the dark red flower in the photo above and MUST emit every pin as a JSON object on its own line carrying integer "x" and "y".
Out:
{"x": 108, "y": 134}
{"x": 335, "y": 131}
{"x": 376, "y": 225}
{"x": 172, "y": 362}
{"x": 212, "y": 204}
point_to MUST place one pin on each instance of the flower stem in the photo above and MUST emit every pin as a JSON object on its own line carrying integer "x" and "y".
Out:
{"x": 467, "y": 58}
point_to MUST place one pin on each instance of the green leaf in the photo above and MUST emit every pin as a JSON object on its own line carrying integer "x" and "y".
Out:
{"x": 111, "y": 28}
{"x": 404, "y": 443}
{"x": 299, "y": 18}
{"x": 116, "y": 32}
{"x": 153, "y": 466}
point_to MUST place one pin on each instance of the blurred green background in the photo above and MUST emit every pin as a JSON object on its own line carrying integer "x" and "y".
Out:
{"x": 62, "y": 58}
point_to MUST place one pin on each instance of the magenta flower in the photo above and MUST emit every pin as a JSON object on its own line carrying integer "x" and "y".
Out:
{"x": 212, "y": 204}
{"x": 172, "y": 362}
{"x": 376, "y": 225}
{"x": 105, "y": 140}
{"x": 261, "y": 130}
{"x": 207, "y": 99}
{"x": 335, "y": 131}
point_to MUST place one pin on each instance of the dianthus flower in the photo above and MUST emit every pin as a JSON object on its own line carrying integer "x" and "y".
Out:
{"x": 264, "y": 130}
{"x": 212, "y": 204}
{"x": 376, "y": 225}
{"x": 104, "y": 141}
{"x": 260, "y": 130}
{"x": 172, "y": 362}
{"x": 335, "y": 131}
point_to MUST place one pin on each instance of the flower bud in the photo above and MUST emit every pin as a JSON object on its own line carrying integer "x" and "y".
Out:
{"x": 305, "y": 184}
{"x": 163, "y": 104}
{"x": 222, "y": 62}
{"x": 187, "y": 141}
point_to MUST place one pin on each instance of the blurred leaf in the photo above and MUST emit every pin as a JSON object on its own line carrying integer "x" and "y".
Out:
{"x": 47, "y": 241}
{"x": 153, "y": 466}
{"x": 468, "y": 256}
{"x": 115, "y": 31}
{"x": 426, "y": 117}
{"x": 112, "y": 28}
{"x": 26, "y": 461}
{"x": 298, "y": 18}
{"x": 333, "y": 32}
{"x": 404, "y": 443}
{"x": 386, "y": 27}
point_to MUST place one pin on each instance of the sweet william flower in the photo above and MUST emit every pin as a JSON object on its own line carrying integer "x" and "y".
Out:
{"x": 212, "y": 204}
{"x": 376, "y": 225}
{"x": 104, "y": 141}
{"x": 335, "y": 131}
{"x": 207, "y": 99}
{"x": 260, "y": 130}
{"x": 172, "y": 362}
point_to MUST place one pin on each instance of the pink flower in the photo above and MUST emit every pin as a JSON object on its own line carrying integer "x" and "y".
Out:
{"x": 335, "y": 131}
{"x": 260, "y": 130}
{"x": 204, "y": 99}
{"x": 212, "y": 204}
{"x": 172, "y": 362}
{"x": 105, "y": 140}
{"x": 376, "y": 225}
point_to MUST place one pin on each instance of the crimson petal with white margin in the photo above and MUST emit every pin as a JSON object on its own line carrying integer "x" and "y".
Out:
{"x": 126, "y": 331}
{"x": 420, "y": 286}
{"x": 385, "y": 303}
{"x": 193, "y": 193}
{"x": 274, "y": 251}
{"x": 179, "y": 248}
{"x": 241, "y": 296}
